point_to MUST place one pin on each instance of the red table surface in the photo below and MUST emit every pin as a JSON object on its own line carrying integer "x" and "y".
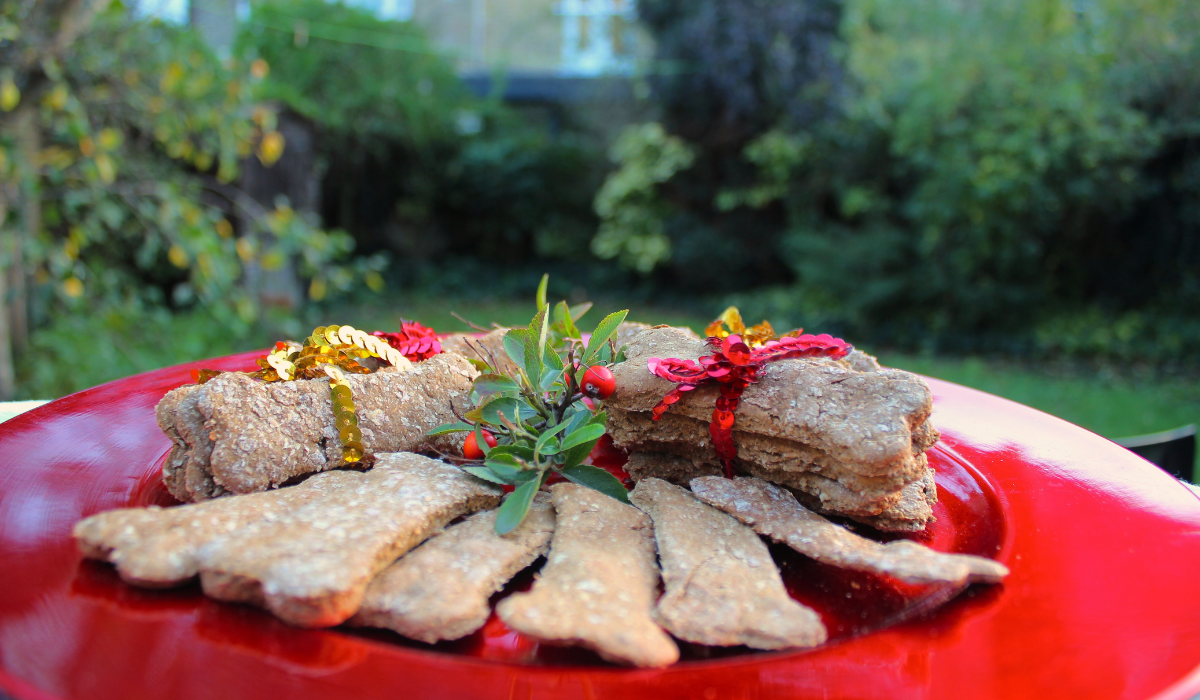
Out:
{"x": 1102, "y": 601}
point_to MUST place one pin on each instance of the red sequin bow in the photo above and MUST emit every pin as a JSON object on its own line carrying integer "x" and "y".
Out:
{"x": 735, "y": 365}
{"x": 414, "y": 341}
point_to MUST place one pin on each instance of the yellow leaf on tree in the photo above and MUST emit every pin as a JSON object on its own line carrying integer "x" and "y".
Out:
{"x": 131, "y": 77}
{"x": 273, "y": 260}
{"x": 106, "y": 168}
{"x": 171, "y": 76}
{"x": 73, "y": 288}
{"x": 86, "y": 146}
{"x": 317, "y": 289}
{"x": 279, "y": 219}
{"x": 56, "y": 99}
{"x": 178, "y": 256}
{"x": 10, "y": 95}
{"x": 191, "y": 213}
{"x": 264, "y": 117}
{"x": 259, "y": 69}
{"x": 109, "y": 139}
{"x": 224, "y": 228}
{"x": 374, "y": 281}
{"x": 270, "y": 148}
{"x": 245, "y": 249}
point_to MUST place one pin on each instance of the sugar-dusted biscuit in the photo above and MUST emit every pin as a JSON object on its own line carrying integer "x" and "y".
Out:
{"x": 722, "y": 587}
{"x": 774, "y": 512}
{"x": 599, "y": 585}
{"x": 310, "y": 566}
{"x": 440, "y": 590}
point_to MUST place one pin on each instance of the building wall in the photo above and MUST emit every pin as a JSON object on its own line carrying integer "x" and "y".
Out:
{"x": 528, "y": 35}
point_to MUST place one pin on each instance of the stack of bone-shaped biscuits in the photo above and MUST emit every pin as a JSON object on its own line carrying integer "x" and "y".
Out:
{"x": 847, "y": 436}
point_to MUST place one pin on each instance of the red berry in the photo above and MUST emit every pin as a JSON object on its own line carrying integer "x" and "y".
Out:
{"x": 598, "y": 382}
{"x": 471, "y": 445}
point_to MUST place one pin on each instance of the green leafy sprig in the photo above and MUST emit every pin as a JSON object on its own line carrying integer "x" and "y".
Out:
{"x": 536, "y": 413}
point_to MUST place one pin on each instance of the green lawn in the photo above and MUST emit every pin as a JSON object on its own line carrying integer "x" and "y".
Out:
{"x": 1113, "y": 406}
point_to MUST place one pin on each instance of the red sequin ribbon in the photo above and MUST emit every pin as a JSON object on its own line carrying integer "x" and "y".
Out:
{"x": 735, "y": 366}
{"x": 414, "y": 341}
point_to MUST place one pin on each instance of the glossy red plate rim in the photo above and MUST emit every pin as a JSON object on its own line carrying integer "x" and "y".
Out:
{"x": 1104, "y": 550}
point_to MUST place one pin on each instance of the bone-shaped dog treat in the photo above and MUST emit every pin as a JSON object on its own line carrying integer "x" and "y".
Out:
{"x": 599, "y": 584}
{"x": 722, "y": 587}
{"x": 156, "y": 547}
{"x": 440, "y": 590}
{"x": 774, "y": 512}
{"x": 235, "y": 434}
{"x": 311, "y": 566}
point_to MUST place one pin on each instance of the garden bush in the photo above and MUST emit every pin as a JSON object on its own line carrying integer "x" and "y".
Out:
{"x": 121, "y": 141}
{"x": 980, "y": 176}
{"x": 414, "y": 164}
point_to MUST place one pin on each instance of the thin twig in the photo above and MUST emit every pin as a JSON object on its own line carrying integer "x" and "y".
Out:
{"x": 472, "y": 325}
{"x": 457, "y": 415}
{"x": 494, "y": 364}
{"x": 447, "y": 456}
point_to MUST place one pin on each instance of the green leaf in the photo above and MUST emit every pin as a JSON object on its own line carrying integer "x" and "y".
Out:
{"x": 549, "y": 376}
{"x": 508, "y": 468}
{"x": 521, "y": 452}
{"x": 541, "y": 291}
{"x": 598, "y": 479}
{"x": 488, "y": 384}
{"x": 514, "y": 409}
{"x": 579, "y": 310}
{"x": 544, "y": 440}
{"x": 588, "y": 433}
{"x": 535, "y": 344}
{"x": 562, "y": 314}
{"x": 514, "y": 508}
{"x": 479, "y": 364}
{"x": 447, "y": 428}
{"x": 552, "y": 359}
{"x": 580, "y": 452}
{"x": 577, "y": 415}
{"x": 603, "y": 332}
{"x": 480, "y": 442}
{"x": 485, "y": 474}
{"x": 514, "y": 346}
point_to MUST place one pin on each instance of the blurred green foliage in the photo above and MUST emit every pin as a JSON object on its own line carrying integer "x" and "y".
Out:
{"x": 368, "y": 83}
{"x": 414, "y": 164}
{"x": 135, "y": 140}
{"x": 990, "y": 176}
{"x": 630, "y": 208}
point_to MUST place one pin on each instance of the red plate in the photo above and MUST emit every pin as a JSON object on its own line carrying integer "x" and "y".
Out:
{"x": 1101, "y": 603}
